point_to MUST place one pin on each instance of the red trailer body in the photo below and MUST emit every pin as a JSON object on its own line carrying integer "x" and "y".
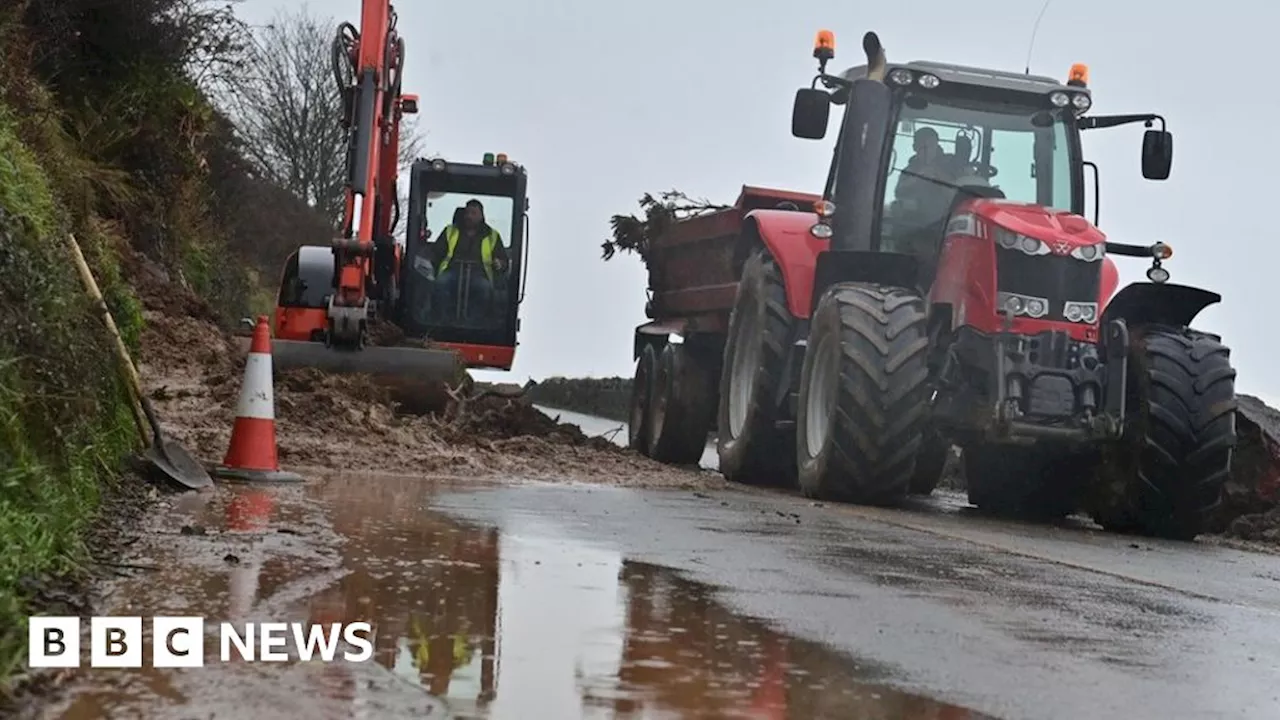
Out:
{"x": 694, "y": 268}
{"x": 694, "y": 274}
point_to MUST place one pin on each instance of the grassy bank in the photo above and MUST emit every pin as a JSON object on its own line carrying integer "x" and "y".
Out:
{"x": 65, "y": 420}
{"x": 106, "y": 133}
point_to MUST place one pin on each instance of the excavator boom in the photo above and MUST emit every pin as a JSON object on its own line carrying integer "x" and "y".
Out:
{"x": 351, "y": 307}
{"x": 324, "y": 319}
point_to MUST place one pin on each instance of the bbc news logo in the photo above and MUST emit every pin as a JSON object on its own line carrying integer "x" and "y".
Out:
{"x": 178, "y": 642}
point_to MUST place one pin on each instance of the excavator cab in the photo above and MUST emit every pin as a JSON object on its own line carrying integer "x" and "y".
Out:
{"x": 459, "y": 289}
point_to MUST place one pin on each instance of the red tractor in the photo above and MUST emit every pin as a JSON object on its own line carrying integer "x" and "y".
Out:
{"x": 948, "y": 289}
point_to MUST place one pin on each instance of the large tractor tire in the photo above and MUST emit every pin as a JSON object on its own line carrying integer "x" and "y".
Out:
{"x": 1033, "y": 482}
{"x": 752, "y": 449}
{"x": 1165, "y": 478}
{"x": 681, "y": 407}
{"x": 864, "y": 395}
{"x": 641, "y": 397}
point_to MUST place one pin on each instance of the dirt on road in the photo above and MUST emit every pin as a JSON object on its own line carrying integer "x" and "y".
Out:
{"x": 193, "y": 372}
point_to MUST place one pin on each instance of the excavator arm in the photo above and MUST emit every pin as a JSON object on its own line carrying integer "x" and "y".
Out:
{"x": 367, "y": 66}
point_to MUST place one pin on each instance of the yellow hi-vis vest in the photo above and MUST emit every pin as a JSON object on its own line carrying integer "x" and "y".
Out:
{"x": 487, "y": 244}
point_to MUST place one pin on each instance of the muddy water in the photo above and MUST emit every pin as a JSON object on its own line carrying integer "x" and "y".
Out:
{"x": 467, "y": 622}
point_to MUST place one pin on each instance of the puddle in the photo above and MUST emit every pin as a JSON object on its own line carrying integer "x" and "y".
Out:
{"x": 467, "y": 623}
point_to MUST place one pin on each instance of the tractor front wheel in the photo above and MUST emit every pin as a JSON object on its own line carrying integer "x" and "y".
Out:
{"x": 862, "y": 419}
{"x": 1165, "y": 478}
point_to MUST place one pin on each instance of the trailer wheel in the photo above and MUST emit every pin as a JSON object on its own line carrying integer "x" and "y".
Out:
{"x": 863, "y": 394}
{"x": 751, "y": 448}
{"x": 681, "y": 407}
{"x": 1165, "y": 478}
{"x": 1027, "y": 482}
{"x": 641, "y": 396}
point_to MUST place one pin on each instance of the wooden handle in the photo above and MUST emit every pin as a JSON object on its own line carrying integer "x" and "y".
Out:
{"x": 121, "y": 352}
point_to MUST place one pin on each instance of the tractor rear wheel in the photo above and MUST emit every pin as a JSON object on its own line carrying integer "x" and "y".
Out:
{"x": 681, "y": 407}
{"x": 641, "y": 396}
{"x": 1165, "y": 478}
{"x": 1027, "y": 482}
{"x": 752, "y": 449}
{"x": 864, "y": 394}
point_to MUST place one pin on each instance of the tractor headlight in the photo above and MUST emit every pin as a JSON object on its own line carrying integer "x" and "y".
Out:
{"x": 900, "y": 76}
{"x": 438, "y": 165}
{"x": 1028, "y": 305}
{"x": 508, "y": 169}
{"x": 929, "y": 82}
{"x": 1089, "y": 253}
{"x": 1081, "y": 101}
{"x": 821, "y": 230}
{"x": 1060, "y": 99}
{"x": 1032, "y": 246}
{"x": 1081, "y": 312}
{"x": 1010, "y": 240}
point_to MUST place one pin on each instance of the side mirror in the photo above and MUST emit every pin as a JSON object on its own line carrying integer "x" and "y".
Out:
{"x": 1157, "y": 154}
{"x": 810, "y": 113}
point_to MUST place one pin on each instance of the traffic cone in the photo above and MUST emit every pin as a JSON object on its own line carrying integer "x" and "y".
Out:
{"x": 251, "y": 456}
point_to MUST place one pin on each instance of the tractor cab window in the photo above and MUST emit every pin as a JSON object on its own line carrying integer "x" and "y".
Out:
{"x": 945, "y": 146}
{"x": 467, "y": 260}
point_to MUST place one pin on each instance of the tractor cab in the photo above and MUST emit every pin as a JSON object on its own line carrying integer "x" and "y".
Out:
{"x": 920, "y": 141}
{"x": 462, "y": 275}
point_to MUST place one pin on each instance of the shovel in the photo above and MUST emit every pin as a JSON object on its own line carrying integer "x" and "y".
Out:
{"x": 162, "y": 453}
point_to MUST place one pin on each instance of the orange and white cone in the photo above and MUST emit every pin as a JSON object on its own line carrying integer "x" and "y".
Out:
{"x": 252, "y": 455}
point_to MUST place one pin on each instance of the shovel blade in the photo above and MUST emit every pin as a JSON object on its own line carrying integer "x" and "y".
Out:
{"x": 176, "y": 463}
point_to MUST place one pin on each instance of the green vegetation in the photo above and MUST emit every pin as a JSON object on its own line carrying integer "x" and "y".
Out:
{"x": 64, "y": 416}
{"x": 106, "y": 133}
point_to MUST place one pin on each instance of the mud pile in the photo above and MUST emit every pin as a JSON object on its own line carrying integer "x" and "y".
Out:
{"x": 1251, "y": 506}
{"x": 193, "y": 371}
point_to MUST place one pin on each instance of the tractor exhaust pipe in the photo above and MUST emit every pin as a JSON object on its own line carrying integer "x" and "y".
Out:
{"x": 876, "y": 62}
{"x": 866, "y": 130}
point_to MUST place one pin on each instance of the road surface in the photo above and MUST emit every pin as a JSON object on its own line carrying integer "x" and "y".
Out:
{"x": 539, "y": 600}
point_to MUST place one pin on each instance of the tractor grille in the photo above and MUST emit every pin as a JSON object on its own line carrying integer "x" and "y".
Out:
{"x": 1057, "y": 278}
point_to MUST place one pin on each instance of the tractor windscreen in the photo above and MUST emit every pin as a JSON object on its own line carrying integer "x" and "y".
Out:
{"x": 996, "y": 148}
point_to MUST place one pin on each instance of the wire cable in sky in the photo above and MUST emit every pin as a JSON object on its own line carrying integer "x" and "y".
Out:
{"x": 1035, "y": 29}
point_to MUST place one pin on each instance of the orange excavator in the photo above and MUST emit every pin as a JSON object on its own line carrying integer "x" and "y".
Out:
{"x": 451, "y": 312}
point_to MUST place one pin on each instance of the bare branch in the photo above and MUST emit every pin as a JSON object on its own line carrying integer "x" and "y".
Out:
{"x": 288, "y": 111}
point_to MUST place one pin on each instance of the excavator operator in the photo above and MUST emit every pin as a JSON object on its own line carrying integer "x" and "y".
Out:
{"x": 472, "y": 241}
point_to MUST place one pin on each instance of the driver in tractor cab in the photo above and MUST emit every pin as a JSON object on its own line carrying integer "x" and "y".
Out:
{"x": 471, "y": 240}
{"x": 925, "y": 192}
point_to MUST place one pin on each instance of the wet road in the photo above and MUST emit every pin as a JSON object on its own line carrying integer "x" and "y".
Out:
{"x": 545, "y": 601}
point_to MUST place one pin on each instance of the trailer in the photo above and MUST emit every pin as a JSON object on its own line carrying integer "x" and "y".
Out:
{"x": 695, "y": 269}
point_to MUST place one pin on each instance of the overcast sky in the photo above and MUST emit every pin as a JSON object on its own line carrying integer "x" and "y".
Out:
{"x": 603, "y": 101}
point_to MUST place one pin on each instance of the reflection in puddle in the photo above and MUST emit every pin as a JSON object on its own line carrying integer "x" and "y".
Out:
{"x": 518, "y": 625}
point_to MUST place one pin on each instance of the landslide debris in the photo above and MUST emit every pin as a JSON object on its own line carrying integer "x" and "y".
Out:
{"x": 193, "y": 371}
{"x": 1251, "y": 505}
